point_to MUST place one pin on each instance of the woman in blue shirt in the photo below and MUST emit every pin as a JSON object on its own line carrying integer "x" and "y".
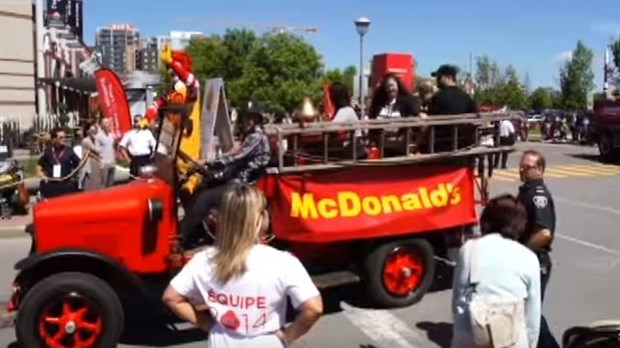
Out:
{"x": 507, "y": 270}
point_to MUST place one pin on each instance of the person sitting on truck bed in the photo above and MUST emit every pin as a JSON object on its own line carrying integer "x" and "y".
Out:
{"x": 341, "y": 100}
{"x": 451, "y": 100}
{"x": 244, "y": 165}
{"x": 392, "y": 100}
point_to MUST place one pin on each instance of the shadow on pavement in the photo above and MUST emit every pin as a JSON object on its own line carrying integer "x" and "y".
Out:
{"x": 590, "y": 157}
{"x": 149, "y": 323}
{"x": 440, "y": 333}
{"x": 354, "y": 294}
{"x": 160, "y": 335}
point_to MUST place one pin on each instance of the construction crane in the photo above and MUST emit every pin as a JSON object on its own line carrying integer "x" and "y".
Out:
{"x": 280, "y": 28}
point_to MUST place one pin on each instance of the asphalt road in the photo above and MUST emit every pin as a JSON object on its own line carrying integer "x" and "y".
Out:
{"x": 585, "y": 284}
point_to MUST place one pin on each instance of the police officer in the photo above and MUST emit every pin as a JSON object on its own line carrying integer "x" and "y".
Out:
{"x": 540, "y": 227}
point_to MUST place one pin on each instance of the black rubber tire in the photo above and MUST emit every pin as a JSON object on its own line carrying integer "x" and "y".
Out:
{"x": 374, "y": 264}
{"x": 87, "y": 285}
{"x": 605, "y": 148}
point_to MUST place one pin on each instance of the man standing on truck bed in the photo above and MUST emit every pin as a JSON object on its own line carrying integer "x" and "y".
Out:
{"x": 540, "y": 226}
{"x": 450, "y": 100}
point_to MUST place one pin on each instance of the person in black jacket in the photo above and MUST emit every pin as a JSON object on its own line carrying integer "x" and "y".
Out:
{"x": 55, "y": 165}
{"x": 392, "y": 99}
{"x": 451, "y": 100}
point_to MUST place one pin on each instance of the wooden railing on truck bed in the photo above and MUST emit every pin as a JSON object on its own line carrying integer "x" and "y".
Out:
{"x": 478, "y": 125}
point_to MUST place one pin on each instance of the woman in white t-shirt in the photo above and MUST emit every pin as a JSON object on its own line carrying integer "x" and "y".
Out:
{"x": 244, "y": 283}
{"x": 339, "y": 95}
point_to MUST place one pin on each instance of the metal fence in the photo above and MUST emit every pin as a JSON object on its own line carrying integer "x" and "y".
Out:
{"x": 29, "y": 132}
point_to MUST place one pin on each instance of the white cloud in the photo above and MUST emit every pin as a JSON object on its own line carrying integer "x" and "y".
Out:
{"x": 563, "y": 56}
{"x": 607, "y": 28}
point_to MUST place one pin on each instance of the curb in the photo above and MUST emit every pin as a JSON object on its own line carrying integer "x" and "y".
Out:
{"x": 10, "y": 232}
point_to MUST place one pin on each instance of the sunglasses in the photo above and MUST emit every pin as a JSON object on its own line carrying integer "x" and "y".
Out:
{"x": 529, "y": 166}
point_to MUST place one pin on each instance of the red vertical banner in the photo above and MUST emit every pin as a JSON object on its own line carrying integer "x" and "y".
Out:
{"x": 327, "y": 102}
{"x": 113, "y": 101}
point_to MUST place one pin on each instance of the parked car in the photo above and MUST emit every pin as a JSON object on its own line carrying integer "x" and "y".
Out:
{"x": 535, "y": 118}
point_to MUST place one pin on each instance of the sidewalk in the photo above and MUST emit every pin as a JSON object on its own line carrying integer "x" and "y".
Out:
{"x": 15, "y": 226}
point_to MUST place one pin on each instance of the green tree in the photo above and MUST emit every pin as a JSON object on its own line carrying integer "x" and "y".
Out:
{"x": 488, "y": 73}
{"x": 208, "y": 56}
{"x": 540, "y": 99}
{"x": 489, "y": 78}
{"x": 614, "y": 46}
{"x": 511, "y": 93}
{"x": 344, "y": 76}
{"x": 615, "y": 52}
{"x": 577, "y": 78}
{"x": 281, "y": 70}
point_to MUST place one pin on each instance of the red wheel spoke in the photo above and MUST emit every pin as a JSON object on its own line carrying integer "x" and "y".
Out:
{"x": 402, "y": 272}
{"x": 75, "y": 310}
{"x": 79, "y": 342}
{"x": 66, "y": 308}
{"x": 81, "y": 312}
{"x": 94, "y": 328}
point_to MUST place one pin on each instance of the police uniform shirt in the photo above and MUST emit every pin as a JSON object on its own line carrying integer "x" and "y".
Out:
{"x": 540, "y": 208}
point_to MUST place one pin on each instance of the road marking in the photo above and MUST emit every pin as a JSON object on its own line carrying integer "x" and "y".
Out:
{"x": 567, "y": 171}
{"x": 588, "y": 244}
{"x": 383, "y": 327}
{"x": 588, "y": 205}
{"x": 597, "y": 169}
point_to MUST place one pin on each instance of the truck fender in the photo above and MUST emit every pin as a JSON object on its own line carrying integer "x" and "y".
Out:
{"x": 38, "y": 266}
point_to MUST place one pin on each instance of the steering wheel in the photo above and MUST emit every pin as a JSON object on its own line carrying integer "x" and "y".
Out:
{"x": 196, "y": 167}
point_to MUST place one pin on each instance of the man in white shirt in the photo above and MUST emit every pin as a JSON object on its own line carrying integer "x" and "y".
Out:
{"x": 507, "y": 135}
{"x": 105, "y": 144}
{"x": 138, "y": 145}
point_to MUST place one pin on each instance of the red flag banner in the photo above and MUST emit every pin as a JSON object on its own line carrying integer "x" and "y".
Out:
{"x": 367, "y": 202}
{"x": 327, "y": 102}
{"x": 113, "y": 100}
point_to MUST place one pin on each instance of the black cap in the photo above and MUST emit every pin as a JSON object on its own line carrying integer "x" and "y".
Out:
{"x": 445, "y": 70}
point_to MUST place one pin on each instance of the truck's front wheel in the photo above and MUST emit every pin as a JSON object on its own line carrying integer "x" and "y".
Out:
{"x": 606, "y": 148}
{"x": 399, "y": 273}
{"x": 70, "y": 310}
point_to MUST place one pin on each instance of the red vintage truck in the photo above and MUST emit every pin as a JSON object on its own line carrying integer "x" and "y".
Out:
{"x": 381, "y": 221}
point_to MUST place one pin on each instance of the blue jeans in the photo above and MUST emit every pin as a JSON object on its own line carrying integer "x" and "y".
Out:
{"x": 546, "y": 339}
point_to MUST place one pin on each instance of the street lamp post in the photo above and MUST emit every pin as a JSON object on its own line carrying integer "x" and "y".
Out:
{"x": 362, "y": 24}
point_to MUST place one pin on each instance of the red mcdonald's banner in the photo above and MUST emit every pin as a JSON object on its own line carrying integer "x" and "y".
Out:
{"x": 113, "y": 100}
{"x": 366, "y": 202}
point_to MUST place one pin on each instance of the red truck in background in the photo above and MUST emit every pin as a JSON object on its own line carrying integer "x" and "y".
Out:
{"x": 605, "y": 129}
{"x": 400, "y": 64}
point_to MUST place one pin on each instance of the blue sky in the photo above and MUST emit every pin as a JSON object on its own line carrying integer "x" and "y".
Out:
{"x": 534, "y": 36}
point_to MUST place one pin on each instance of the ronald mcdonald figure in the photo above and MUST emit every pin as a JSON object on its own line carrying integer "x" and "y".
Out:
{"x": 186, "y": 86}
{"x": 185, "y": 90}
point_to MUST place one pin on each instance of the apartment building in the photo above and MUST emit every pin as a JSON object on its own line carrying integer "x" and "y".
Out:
{"x": 179, "y": 40}
{"x": 117, "y": 44}
{"x": 147, "y": 55}
{"x": 17, "y": 61}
